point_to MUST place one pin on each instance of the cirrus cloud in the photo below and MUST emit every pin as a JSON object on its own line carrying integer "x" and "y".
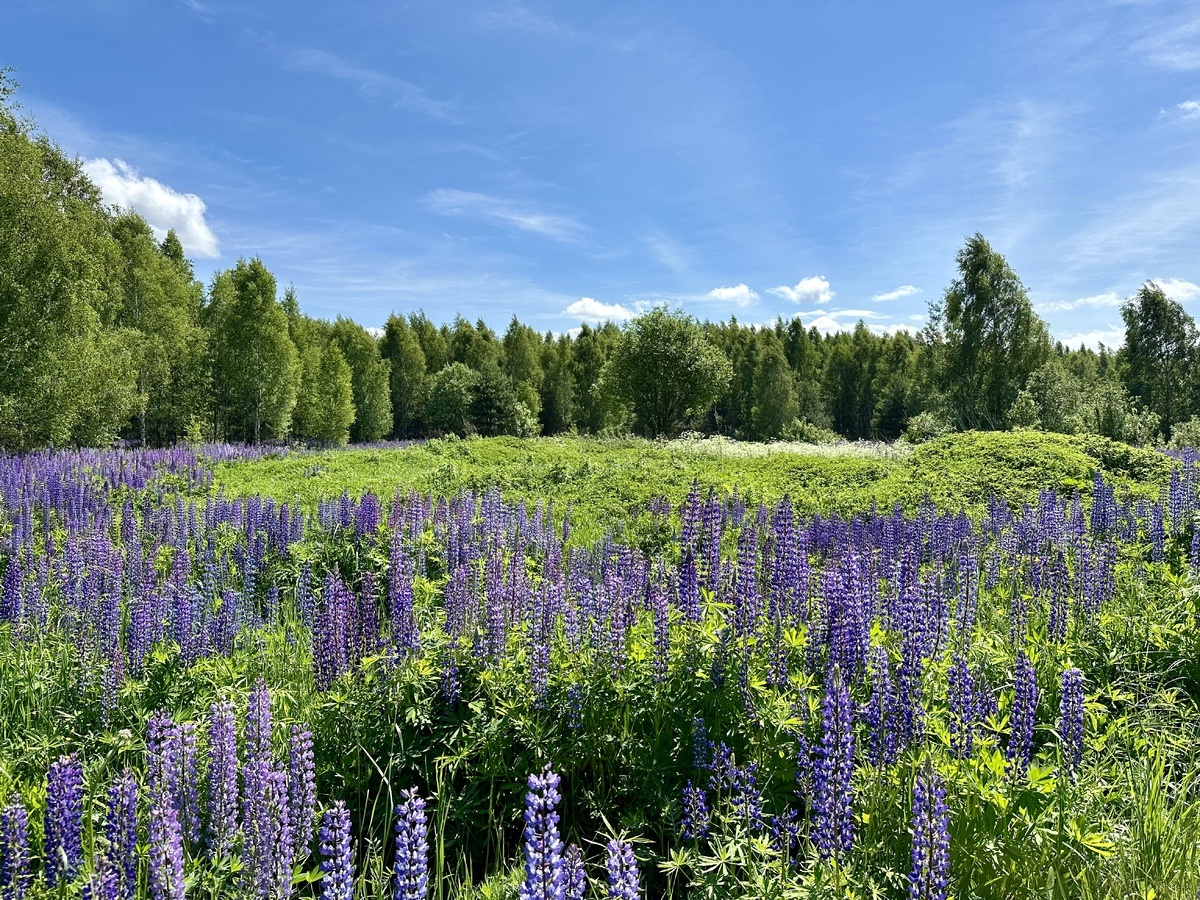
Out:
{"x": 163, "y": 207}
{"x": 814, "y": 289}
{"x": 905, "y": 290}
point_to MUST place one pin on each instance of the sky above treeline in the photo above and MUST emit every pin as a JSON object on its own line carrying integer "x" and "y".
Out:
{"x": 572, "y": 162}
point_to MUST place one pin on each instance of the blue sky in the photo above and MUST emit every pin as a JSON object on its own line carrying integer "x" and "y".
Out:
{"x": 571, "y": 160}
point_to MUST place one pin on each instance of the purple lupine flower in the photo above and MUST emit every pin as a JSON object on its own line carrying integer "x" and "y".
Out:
{"x": 64, "y": 820}
{"x": 258, "y": 724}
{"x": 1023, "y": 715}
{"x": 930, "y": 874}
{"x": 412, "y": 847}
{"x": 337, "y": 854}
{"x": 14, "y": 850}
{"x": 301, "y": 789}
{"x": 166, "y": 843}
{"x": 702, "y": 747}
{"x": 544, "y": 875}
{"x": 623, "y": 880}
{"x": 804, "y": 769}
{"x": 576, "y": 876}
{"x": 881, "y": 711}
{"x": 695, "y": 812}
{"x": 222, "y": 779}
{"x": 575, "y": 707}
{"x": 188, "y": 792}
{"x": 834, "y": 770}
{"x": 120, "y": 833}
{"x": 267, "y": 852}
{"x": 1070, "y": 718}
{"x": 102, "y": 883}
{"x": 962, "y": 708}
{"x": 746, "y": 796}
{"x": 786, "y": 835}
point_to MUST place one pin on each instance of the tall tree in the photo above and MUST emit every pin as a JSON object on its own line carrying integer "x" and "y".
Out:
{"x": 329, "y": 401}
{"x": 256, "y": 369}
{"x": 1158, "y": 362}
{"x": 369, "y": 376}
{"x": 407, "y": 386}
{"x": 67, "y": 373}
{"x": 666, "y": 370}
{"x": 450, "y": 393}
{"x": 774, "y": 392}
{"x": 989, "y": 337}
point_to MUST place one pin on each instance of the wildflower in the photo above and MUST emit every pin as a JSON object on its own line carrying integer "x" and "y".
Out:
{"x": 544, "y": 875}
{"x": 412, "y": 847}
{"x": 929, "y": 876}
{"x": 337, "y": 854}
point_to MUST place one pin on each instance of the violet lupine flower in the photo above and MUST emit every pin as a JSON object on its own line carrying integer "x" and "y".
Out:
{"x": 695, "y": 813}
{"x": 702, "y": 747}
{"x": 930, "y": 874}
{"x": 834, "y": 770}
{"x": 120, "y": 833}
{"x": 785, "y": 835}
{"x": 267, "y": 852}
{"x": 1070, "y": 718}
{"x": 14, "y": 850}
{"x": 881, "y": 711}
{"x": 1023, "y": 715}
{"x": 576, "y": 876}
{"x": 544, "y": 875}
{"x": 102, "y": 883}
{"x": 412, "y": 847}
{"x": 301, "y": 789}
{"x": 64, "y": 820}
{"x": 188, "y": 790}
{"x": 623, "y": 880}
{"x": 746, "y": 797}
{"x": 258, "y": 724}
{"x": 222, "y": 779}
{"x": 575, "y": 707}
{"x": 165, "y": 845}
{"x": 337, "y": 854}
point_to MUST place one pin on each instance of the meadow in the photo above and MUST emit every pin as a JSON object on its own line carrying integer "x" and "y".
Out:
{"x": 569, "y": 667}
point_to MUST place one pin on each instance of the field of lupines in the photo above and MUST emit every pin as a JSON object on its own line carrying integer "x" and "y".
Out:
{"x": 456, "y": 695}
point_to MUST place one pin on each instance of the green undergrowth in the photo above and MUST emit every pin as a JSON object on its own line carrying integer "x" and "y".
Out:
{"x": 608, "y": 481}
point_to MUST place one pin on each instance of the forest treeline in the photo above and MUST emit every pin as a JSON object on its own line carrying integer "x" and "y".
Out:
{"x": 106, "y": 333}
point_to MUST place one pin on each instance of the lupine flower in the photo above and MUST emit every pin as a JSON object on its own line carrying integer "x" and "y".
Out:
{"x": 188, "y": 790}
{"x": 881, "y": 711}
{"x": 695, "y": 812}
{"x": 785, "y": 835}
{"x": 833, "y": 772}
{"x": 623, "y": 880}
{"x": 14, "y": 850}
{"x": 301, "y": 789}
{"x": 1024, "y": 713}
{"x": 165, "y": 845}
{"x": 102, "y": 883}
{"x": 64, "y": 820}
{"x": 412, "y": 847}
{"x": 267, "y": 850}
{"x": 222, "y": 779}
{"x": 258, "y": 724}
{"x": 746, "y": 796}
{"x": 962, "y": 708}
{"x": 120, "y": 833}
{"x": 576, "y": 876}
{"x": 930, "y": 872}
{"x": 545, "y": 878}
{"x": 1070, "y": 718}
{"x": 337, "y": 854}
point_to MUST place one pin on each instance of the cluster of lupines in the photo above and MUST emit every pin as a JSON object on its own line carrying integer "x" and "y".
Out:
{"x": 510, "y": 578}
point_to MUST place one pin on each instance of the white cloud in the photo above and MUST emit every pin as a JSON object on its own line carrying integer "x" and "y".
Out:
{"x": 451, "y": 202}
{"x": 161, "y": 206}
{"x": 1174, "y": 44}
{"x": 739, "y": 294}
{"x": 403, "y": 94}
{"x": 1187, "y": 111}
{"x": 1108, "y": 298}
{"x": 905, "y": 290}
{"x": 375, "y": 331}
{"x": 1177, "y": 289}
{"x": 594, "y": 311}
{"x": 1110, "y": 338}
{"x": 814, "y": 289}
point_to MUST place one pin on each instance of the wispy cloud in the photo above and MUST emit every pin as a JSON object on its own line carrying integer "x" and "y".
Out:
{"x": 497, "y": 210}
{"x": 739, "y": 294}
{"x": 518, "y": 17}
{"x": 1173, "y": 43}
{"x": 1187, "y": 111}
{"x": 1177, "y": 289}
{"x": 590, "y": 310}
{"x": 372, "y": 82}
{"x": 161, "y": 206}
{"x": 905, "y": 290}
{"x": 814, "y": 289}
{"x": 1096, "y": 301}
{"x": 670, "y": 254}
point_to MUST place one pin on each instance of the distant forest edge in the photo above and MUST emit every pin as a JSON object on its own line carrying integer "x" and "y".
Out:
{"x": 106, "y": 333}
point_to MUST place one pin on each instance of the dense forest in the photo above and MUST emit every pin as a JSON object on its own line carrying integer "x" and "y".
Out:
{"x": 105, "y": 334}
